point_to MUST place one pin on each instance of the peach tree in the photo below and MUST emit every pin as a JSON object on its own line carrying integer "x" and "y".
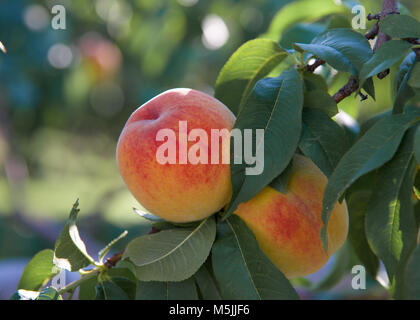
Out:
{"x": 287, "y": 92}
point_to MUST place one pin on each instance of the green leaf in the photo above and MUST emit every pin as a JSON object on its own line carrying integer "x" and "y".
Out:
{"x": 322, "y": 140}
{"x": 105, "y": 250}
{"x": 343, "y": 49}
{"x": 357, "y": 203}
{"x": 49, "y": 293}
{"x": 385, "y": 57}
{"x": 172, "y": 255}
{"x": 38, "y": 271}
{"x": 153, "y": 290}
{"x": 250, "y": 63}
{"x": 321, "y": 100}
{"x": 70, "y": 251}
{"x": 400, "y": 26}
{"x": 206, "y": 284}
{"x": 417, "y": 215}
{"x": 282, "y": 180}
{"x": 314, "y": 82}
{"x": 242, "y": 270}
{"x": 343, "y": 262}
{"x": 350, "y": 126}
{"x": 417, "y": 146}
{"x": 414, "y": 79}
{"x": 413, "y": 275}
{"x": 390, "y": 225}
{"x": 372, "y": 150}
{"x": 275, "y": 106}
{"x": 301, "y": 32}
{"x": 301, "y": 11}
{"x": 404, "y": 91}
{"x": 147, "y": 216}
{"x": 371, "y": 121}
{"x": 123, "y": 270}
{"x": 87, "y": 289}
{"x": 23, "y": 294}
{"x": 109, "y": 290}
{"x": 369, "y": 87}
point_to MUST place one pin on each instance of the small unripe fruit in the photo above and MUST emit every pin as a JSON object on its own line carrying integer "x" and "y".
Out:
{"x": 177, "y": 192}
{"x": 288, "y": 226}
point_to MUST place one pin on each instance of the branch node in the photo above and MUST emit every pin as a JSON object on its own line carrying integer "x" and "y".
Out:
{"x": 350, "y": 87}
{"x": 383, "y": 74}
{"x": 373, "y": 16}
{"x": 372, "y": 33}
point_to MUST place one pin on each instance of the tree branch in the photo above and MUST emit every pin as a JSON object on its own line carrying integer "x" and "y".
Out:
{"x": 388, "y": 7}
{"x": 316, "y": 64}
{"x": 351, "y": 86}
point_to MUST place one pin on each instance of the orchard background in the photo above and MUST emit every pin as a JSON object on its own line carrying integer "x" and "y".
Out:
{"x": 66, "y": 94}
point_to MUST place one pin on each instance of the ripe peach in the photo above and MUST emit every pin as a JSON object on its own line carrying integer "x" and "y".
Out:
{"x": 287, "y": 226}
{"x": 177, "y": 192}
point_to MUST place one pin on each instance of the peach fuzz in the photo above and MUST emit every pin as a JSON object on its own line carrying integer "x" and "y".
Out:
{"x": 287, "y": 226}
{"x": 175, "y": 192}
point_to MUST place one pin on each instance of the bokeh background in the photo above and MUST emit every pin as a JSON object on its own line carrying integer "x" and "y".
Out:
{"x": 66, "y": 94}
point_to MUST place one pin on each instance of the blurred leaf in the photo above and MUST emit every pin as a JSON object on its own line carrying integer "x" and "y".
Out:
{"x": 38, "y": 271}
{"x": 390, "y": 226}
{"x": 314, "y": 82}
{"x": 146, "y": 215}
{"x": 300, "y": 11}
{"x": 400, "y": 26}
{"x": 87, "y": 289}
{"x": 343, "y": 49}
{"x": 275, "y": 105}
{"x": 251, "y": 62}
{"x": 404, "y": 90}
{"x": 357, "y": 203}
{"x": 301, "y": 32}
{"x": 322, "y": 140}
{"x": 413, "y": 275}
{"x": 417, "y": 146}
{"x": 153, "y": 290}
{"x": 49, "y": 293}
{"x": 372, "y": 150}
{"x": 282, "y": 180}
{"x": 108, "y": 290}
{"x": 342, "y": 265}
{"x": 385, "y": 57}
{"x": 371, "y": 121}
{"x": 22, "y": 294}
{"x": 321, "y": 100}
{"x": 70, "y": 251}
{"x": 127, "y": 285}
{"x": 242, "y": 270}
{"x": 369, "y": 87}
{"x": 2, "y": 47}
{"x": 105, "y": 250}
{"x": 171, "y": 255}
{"x": 414, "y": 79}
{"x": 349, "y": 124}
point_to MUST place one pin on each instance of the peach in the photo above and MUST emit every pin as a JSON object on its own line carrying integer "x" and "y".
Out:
{"x": 181, "y": 191}
{"x": 287, "y": 226}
